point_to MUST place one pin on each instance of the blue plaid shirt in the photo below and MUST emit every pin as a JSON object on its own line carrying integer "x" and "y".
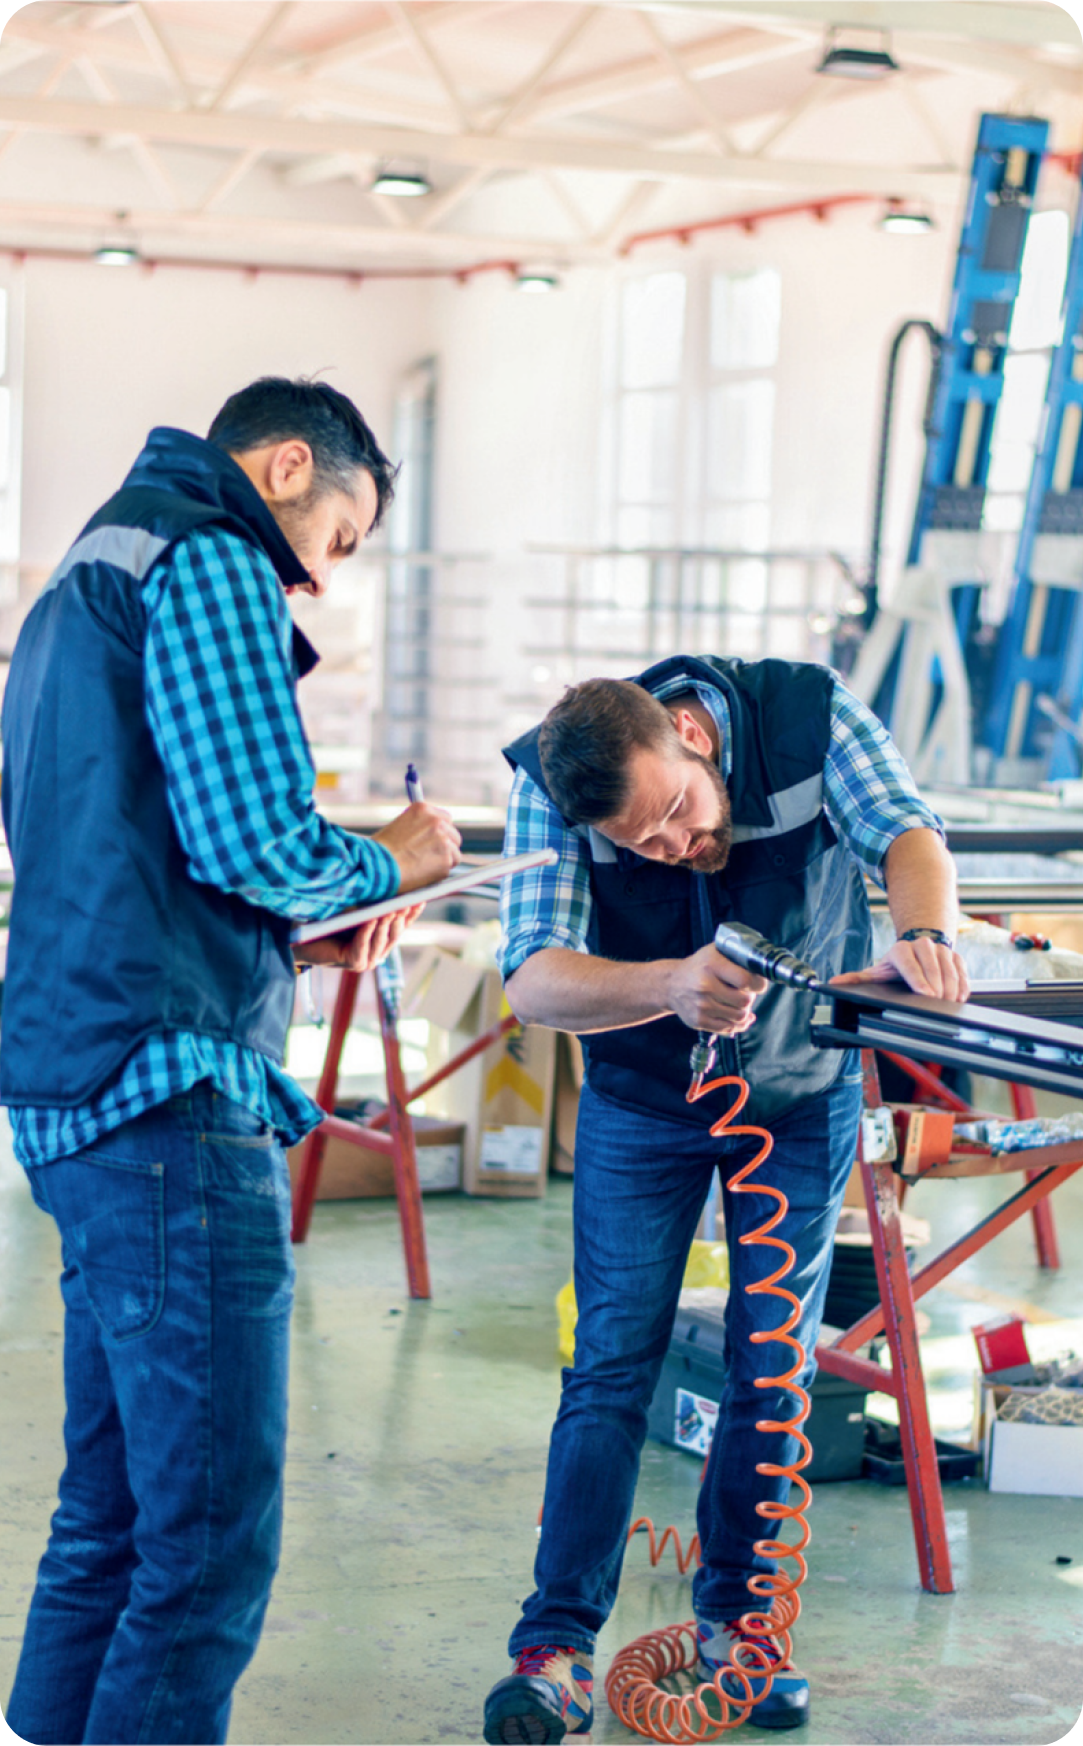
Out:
{"x": 869, "y": 797}
{"x": 222, "y": 707}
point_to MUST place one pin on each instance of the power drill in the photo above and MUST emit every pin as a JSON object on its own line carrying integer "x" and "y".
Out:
{"x": 744, "y": 946}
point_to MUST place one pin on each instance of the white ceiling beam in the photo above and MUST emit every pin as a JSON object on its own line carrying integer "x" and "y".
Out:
{"x": 233, "y": 176}
{"x": 283, "y": 135}
{"x": 1020, "y": 23}
{"x": 817, "y": 96}
{"x": 249, "y": 54}
{"x": 735, "y": 52}
{"x": 204, "y": 73}
{"x": 670, "y": 59}
{"x": 980, "y": 57}
{"x": 308, "y": 241}
{"x": 365, "y": 45}
{"x": 430, "y": 60}
{"x": 145, "y": 156}
{"x": 519, "y": 101}
{"x": 153, "y": 33}
{"x": 439, "y": 205}
{"x": 632, "y": 207}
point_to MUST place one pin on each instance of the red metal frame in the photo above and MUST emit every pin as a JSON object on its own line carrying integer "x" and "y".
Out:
{"x": 895, "y": 1317}
{"x": 398, "y": 1143}
{"x": 927, "y": 1082}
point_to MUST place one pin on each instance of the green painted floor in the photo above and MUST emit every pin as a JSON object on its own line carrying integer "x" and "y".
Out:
{"x": 415, "y": 1469}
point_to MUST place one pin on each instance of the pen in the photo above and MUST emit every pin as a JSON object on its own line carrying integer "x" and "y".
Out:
{"x": 413, "y": 784}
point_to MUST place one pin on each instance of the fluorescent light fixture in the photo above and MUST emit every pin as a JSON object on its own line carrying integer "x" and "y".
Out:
{"x": 906, "y": 220}
{"x": 536, "y": 280}
{"x": 403, "y": 184}
{"x": 116, "y": 255}
{"x": 850, "y": 61}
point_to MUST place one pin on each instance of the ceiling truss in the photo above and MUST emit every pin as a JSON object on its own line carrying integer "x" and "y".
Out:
{"x": 259, "y": 128}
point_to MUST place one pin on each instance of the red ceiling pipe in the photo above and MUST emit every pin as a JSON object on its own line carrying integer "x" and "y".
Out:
{"x": 254, "y": 269}
{"x": 819, "y": 207}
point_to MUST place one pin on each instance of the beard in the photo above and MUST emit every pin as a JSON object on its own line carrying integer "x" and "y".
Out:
{"x": 714, "y": 854}
{"x": 293, "y": 519}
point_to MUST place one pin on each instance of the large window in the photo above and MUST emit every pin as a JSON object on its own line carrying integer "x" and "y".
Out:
{"x": 691, "y": 435}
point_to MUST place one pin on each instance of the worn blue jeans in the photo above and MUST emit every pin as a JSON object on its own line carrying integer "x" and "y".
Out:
{"x": 177, "y": 1285}
{"x": 640, "y": 1185}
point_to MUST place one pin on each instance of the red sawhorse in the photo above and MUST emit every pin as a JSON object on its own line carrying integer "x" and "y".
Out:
{"x": 390, "y": 1131}
{"x": 894, "y": 1316}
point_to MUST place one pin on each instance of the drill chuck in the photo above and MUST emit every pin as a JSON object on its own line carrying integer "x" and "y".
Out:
{"x": 743, "y": 946}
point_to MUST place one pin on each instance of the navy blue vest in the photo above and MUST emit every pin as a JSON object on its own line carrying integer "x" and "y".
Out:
{"x": 111, "y": 939}
{"x": 788, "y": 876}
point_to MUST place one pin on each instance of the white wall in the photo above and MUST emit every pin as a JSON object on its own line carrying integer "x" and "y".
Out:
{"x": 110, "y": 352}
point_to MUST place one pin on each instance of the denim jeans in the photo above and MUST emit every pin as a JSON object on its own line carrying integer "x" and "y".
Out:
{"x": 177, "y": 1285}
{"x": 640, "y": 1185}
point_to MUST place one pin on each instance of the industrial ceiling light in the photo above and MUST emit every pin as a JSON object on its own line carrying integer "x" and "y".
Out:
{"x": 905, "y": 220}
{"x": 536, "y": 280}
{"x": 403, "y": 184}
{"x": 848, "y": 60}
{"x": 116, "y": 255}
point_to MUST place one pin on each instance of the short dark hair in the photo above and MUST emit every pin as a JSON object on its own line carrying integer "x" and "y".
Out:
{"x": 274, "y": 409}
{"x": 587, "y": 739}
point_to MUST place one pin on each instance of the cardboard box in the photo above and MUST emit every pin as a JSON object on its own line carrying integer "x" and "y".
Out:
{"x": 503, "y": 1097}
{"x": 1037, "y": 1460}
{"x": 354, "y": 1173}
{"x": 567, "y": 1084}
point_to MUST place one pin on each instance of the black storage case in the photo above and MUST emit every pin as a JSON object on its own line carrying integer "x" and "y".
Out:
{"x": 694, "y": 1363}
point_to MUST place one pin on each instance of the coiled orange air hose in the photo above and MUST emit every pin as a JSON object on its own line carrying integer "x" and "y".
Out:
{"x": 633, "y": 1683}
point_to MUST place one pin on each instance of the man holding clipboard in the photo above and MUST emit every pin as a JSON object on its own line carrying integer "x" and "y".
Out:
{"x": 157, "y": 795}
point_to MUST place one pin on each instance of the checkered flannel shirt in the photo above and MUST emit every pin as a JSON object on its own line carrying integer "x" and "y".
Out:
{"x": 222, "y": 708}
{"x": 869, "y": 798}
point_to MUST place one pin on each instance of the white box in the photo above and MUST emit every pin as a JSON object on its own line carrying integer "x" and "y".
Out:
{"x": 1039, "y": 1460}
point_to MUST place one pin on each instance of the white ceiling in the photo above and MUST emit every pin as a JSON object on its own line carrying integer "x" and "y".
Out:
{"x": 249, "y": 130}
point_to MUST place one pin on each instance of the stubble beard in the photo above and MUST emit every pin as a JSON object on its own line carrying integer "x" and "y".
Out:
{"x": 718, "y": 842}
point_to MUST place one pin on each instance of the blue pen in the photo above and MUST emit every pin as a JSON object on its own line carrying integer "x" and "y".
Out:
{"x": 413, "y": 784}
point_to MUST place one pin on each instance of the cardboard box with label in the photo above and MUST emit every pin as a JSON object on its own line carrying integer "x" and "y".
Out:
{"x": 350, "y": 1172}
{"x": 504, "y": 1096}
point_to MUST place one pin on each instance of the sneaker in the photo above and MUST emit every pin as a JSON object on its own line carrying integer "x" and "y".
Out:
{"x": 547, "y": 1696}
{"x": 786, "y": 1704}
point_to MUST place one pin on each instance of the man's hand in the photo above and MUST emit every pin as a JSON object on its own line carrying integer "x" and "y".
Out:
{"x": 709, "y": 993}
{"x": 359, "y": 948}
{"x": 425, "y": 844}
{"x": 923, "y": 965}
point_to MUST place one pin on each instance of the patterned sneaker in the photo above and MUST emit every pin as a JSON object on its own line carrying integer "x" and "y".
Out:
{"x": 548, "y": 1696}
{"x": 786, "y": 1704}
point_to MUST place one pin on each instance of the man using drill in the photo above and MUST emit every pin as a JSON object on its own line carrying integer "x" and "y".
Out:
{"x": 706, "y": 791}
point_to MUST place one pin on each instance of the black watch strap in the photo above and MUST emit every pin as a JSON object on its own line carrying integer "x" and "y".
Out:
{"x": 936, "y": 934}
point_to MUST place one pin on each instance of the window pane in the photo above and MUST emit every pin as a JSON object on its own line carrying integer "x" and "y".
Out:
{"x": 639, "y": 525}
{"x": 648, "y": 435}
{"x": 652, "y": 331}
{"x": 1019, "y": 416}
{"x": 740, "y": 416}
{"x": 738, "y": 527}
{"x": 745, "y": 313}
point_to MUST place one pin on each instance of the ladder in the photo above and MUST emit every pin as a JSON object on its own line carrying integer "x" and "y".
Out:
{"x": 912, "y": 667}
{"x": 1038, "y": 675}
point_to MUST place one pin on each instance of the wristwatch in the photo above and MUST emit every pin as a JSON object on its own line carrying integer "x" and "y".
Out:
{"x": 941, "y": 939}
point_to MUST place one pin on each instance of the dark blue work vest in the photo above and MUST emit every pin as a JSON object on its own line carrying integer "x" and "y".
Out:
{"x": 111, "y": 938}
{"x": 788, "y": 876}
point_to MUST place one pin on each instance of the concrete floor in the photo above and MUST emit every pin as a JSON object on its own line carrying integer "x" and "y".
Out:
{"x": 416, "y": 1460}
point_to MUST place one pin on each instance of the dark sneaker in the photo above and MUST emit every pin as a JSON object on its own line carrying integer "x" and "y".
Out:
{"x": 720, "y": 1645}
{"x": 547, "y": 1696}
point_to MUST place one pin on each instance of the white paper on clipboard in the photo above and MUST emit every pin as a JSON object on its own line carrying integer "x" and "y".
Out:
{"x": 465, "y": 879}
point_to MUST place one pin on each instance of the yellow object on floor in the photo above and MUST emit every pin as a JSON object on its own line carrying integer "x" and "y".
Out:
{"x": 707, "y": 1264}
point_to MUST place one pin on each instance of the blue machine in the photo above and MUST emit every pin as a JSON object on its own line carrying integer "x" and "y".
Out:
{"x": 966, "y": 388}
{"x": 1039, "y": 667}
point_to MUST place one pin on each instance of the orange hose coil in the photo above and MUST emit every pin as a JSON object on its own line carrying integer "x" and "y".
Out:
{"x": 633, "y": 1681}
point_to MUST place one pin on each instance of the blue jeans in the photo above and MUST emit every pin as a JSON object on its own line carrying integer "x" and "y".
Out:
{"x": 640, "y": 1185}
{"x": 177, "y": 1285}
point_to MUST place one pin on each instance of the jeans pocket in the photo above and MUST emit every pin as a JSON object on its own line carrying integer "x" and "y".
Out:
{"x": 111, "y": 1215}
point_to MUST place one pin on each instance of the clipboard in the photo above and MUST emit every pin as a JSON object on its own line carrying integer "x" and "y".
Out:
{"x": 466, "y": 879}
